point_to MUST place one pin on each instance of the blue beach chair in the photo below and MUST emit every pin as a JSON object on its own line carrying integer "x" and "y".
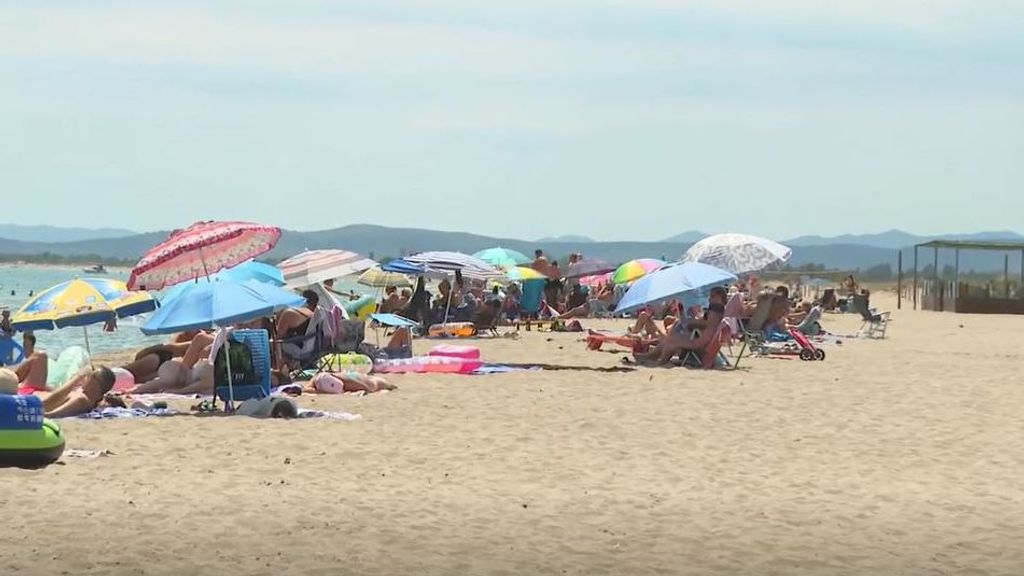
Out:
{"x": 259, "y": 345}
{"x": 11, "y": 352}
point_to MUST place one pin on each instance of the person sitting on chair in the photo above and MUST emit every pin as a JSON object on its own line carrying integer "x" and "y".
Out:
{"x": 680, "y": 336}
{"x": 294, "y": 321}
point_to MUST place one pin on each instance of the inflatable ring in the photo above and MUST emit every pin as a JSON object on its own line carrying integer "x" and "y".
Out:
{"x": 31, "y": 448}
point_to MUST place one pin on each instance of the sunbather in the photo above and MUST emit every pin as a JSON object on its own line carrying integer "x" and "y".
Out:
{"x": 191, "y": 374}
{"x": 577, "y": 306}
{"x": 392, "y": 301}
{"x": 680, "y": 338}
{"x": 293, "y": 321}
{"x": 80, "y": 395}
{"x": 341, "y": 382}
{"x": 33, "y": 371}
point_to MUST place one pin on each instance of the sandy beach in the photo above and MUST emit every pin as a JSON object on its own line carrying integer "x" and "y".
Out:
{"x": 891, "y": 457}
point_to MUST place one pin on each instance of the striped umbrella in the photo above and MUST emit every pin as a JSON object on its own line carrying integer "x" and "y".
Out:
{"x": 378, "y": 278}
{"x": 502, "y": 257}
{"x": 315, "y": 266}
{"x": 636, "y": 269}
{"x": 202, "y": 249}
{"x": 470, "y": 266}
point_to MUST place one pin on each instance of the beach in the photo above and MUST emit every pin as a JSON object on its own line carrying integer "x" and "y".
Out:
{"x": 896, "y": 456}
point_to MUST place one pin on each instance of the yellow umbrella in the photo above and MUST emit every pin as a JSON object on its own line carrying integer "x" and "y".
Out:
{"x": 378, "y": 278}
{"x": 81, "y": 302}
{"x": 524, "y": 273}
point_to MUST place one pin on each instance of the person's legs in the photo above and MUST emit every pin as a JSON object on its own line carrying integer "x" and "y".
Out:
{"x": 33, "y": 371}
{"x": 402, "y": 337}
{"x": 197, "y": 349}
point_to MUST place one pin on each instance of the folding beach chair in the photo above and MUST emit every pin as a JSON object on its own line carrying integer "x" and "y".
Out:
{"x": 874, "y": 323}
{"x": 307, "y": 347}
{"x": 711, "y": 353}
{"x": 753, "y": 328}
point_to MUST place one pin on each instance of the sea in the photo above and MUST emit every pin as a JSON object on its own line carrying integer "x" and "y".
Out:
{"x": 18, "y": 280}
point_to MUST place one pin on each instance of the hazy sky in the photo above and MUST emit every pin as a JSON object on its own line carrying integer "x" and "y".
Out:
{"x": 618, "y": 119}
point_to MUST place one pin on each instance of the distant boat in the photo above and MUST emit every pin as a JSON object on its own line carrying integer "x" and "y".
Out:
{"x": 97, "y": 269}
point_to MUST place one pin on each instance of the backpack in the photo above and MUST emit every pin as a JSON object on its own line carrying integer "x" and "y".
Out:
{"x": 243, "y": 372}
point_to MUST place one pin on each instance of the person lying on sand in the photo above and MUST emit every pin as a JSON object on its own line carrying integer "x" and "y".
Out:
{"x": 679, "y": 337}
{"x": 191, "y": 374}
{"x": 344, "y": 382}
{"x": 81, "y": 395}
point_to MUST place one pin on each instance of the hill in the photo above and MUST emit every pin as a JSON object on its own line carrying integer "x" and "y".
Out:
{"x": 567, "y": 238}
{"x": 895, "y": 239}
{"x": 382, "y": 242}
{"x": 688, "y": 237}
{"x": 58, "y": 234}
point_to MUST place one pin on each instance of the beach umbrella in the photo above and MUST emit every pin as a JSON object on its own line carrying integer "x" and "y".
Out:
{"x": 377, "y": 278}
{"x": 737, "y": 253}
{"x": 587, "y": 267}
{"x": 315, "y": 266}
{"x": 202, "y": 249}
{"x": 673, "y": 281}
{"x": 521, "y": 273}
{"x": 469, "y": 266}
{"x": 251, "y": 270}
{"x": 81, "y": 302}
{"x": 636, "y": 269}
{"x": 502, "y": 257}
{"x": 596, "y": 280}
{"x": 224, "y": 302}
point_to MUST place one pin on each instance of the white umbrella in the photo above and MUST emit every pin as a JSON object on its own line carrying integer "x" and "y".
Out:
{"x": 737, "y": 253}
{"x": 315, "y": 266}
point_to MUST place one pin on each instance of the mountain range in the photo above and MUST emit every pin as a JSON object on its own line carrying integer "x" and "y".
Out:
{"x": 846, "y": 252}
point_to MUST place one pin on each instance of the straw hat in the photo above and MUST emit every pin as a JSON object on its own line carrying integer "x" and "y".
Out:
{"x": 8, "y": 381}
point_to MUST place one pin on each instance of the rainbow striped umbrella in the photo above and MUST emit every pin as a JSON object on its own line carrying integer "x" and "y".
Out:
{"x": 522, "y": 273}
{"x": 636, "y": 269}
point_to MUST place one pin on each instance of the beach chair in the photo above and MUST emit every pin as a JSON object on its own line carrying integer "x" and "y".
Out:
{"x": 707, "y": 357}
{"x": 258, "y": 343}
{"x": 306, "y": 348}
{"x": 874, "y": 323}
{"x": 11, "y": 352}
{"x": 753, "y": 328}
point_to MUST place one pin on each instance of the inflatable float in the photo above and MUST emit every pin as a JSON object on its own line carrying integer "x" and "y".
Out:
{"x": 361, "y": 308}
{"x": 27, "y": 439}
{"x": 452, "y": 330}
{"x": 349, "y": 362}
{"x": 441, "y": 359}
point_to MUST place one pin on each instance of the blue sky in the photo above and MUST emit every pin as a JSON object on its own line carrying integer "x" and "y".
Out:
{"x": 631, "y": 119}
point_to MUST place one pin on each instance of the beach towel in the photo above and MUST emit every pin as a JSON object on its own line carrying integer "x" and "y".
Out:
{"x": 343, "y": 416}
{"x": 111, "y": 412}
{"x": 502, "y": 369}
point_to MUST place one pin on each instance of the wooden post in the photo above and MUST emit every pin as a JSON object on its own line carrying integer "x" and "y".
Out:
{"x": 1006, "y": 275}
{"x": 915, "y": 277}
{"x": 956, "y": 278}
{"x": 899, "y": 280}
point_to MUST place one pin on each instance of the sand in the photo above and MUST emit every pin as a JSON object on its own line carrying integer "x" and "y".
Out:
{"x": 891, "y": 457}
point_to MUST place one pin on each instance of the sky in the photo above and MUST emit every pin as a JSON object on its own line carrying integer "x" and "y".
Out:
{"x": 615, "y": 119}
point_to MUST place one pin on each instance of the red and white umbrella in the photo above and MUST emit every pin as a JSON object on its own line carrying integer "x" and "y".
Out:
{"x": 202, "y": 249}
{"x": 314, "y": 266}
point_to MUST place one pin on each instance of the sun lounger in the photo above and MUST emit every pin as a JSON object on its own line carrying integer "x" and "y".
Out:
{"x": 596, "y": 339}
{"x": 875, "y": 323}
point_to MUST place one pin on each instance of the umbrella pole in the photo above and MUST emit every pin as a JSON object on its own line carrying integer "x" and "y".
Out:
{"x": 230, "y": 407}
{"x": 85, "y": 331}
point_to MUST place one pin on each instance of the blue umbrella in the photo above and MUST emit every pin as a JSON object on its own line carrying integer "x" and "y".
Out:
{"x": 220, "y": 303}
{"x": 673, "y": 281}
{"x": 403, "y": 267}
{"x": 251, "y": 270}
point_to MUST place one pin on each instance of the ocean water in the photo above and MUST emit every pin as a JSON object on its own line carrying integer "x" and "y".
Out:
{"x": 17, "y": 280}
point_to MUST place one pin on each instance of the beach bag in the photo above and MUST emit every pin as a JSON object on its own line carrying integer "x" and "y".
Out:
{"x": 243, "y": 371}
